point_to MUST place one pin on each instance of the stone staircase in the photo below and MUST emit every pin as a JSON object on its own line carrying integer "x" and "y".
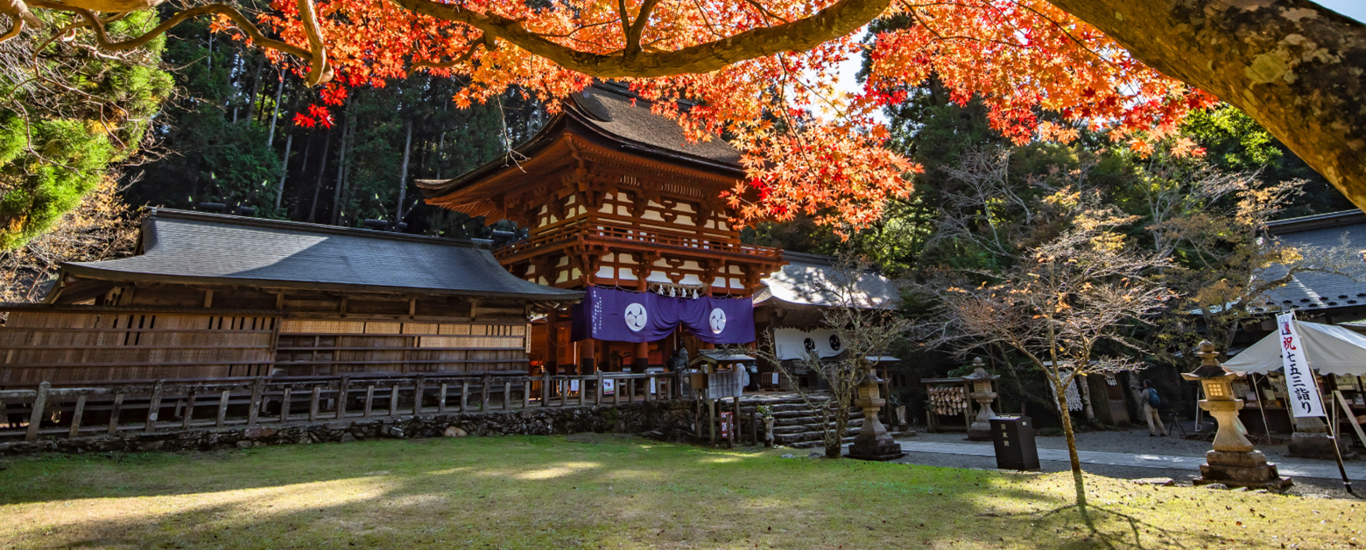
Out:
{"x": 795, "y": 423}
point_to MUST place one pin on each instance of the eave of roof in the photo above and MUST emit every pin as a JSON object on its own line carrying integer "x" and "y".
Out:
{"x": 212, "y": 249}
{"x": 1316, "y": 221}
{"x": 577, "y": 118}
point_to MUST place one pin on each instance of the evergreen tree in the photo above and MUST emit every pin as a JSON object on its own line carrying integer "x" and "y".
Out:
{"x": 68, "y": 116}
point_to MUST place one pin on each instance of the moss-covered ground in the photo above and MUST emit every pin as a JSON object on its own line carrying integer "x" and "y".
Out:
{"x": 614, "y": 492}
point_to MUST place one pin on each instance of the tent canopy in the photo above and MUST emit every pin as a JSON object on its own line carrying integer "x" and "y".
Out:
{"x": 1328, "y": 349}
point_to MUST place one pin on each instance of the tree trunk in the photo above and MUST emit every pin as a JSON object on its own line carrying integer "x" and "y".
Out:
{"x": 1292, "y": 65}
{"x": 834, "y": 446}
{"x": 403, "y": 176}
{"x": 441, "y": 154}
{"x": 1061, "y": 395}
{"x": 303, "y": 163}
{"x": 318, "y": 185}
{"x": 255, "y": 87}
{"x": 341, "y": 175}
{"x": 284, "y": 172}
{"x": 275, "y": 112}
{"x": 208, "y": 64}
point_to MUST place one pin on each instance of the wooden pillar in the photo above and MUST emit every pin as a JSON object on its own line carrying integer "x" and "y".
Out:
{"x": 735, "y": 420}
{"x": 552, "y": 343}
{"x": 642, "y": 356}
{"x": 588, "y": 356}
{"x": 643, "y": 348}
{"x": 35, "y": 420}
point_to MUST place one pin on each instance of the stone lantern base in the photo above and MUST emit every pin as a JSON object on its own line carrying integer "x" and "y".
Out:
{"x": 1241, "y": 469}
{"x": 882, "y": 447}
{"x": 979, "y": 431}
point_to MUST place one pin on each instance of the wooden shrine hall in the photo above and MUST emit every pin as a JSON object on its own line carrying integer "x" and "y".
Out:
{"x": 213, "y": 296}
{"x": 616, "y": 199}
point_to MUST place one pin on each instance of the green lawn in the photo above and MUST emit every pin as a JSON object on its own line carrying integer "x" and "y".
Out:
{"x": 606, "y": 491}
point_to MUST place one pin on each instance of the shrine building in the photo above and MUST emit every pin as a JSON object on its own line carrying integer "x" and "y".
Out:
{"x": 618, "y": 203}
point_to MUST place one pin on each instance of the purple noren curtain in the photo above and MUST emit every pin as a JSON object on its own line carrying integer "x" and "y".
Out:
{"x": 620, "y": 316}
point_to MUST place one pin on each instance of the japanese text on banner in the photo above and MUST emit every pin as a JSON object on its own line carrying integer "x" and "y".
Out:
{"x": 1299, "y": 378}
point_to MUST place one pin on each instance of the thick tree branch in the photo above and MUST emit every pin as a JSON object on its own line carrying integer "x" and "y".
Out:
{"x": 839, "y": 19}
{"x": 319, "y": 71}
{"x": 16, "y": 27}
{"x": 1292, "y": 65}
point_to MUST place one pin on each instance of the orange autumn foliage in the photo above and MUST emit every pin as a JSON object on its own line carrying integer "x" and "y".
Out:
{"x": 809, "y": 146}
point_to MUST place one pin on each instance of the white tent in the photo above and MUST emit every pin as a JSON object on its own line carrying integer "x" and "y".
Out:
{"x": 1328, "y": 349}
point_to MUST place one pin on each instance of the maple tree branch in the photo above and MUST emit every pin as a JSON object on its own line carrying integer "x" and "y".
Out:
{"x": 624, "y": 18}
{"x": 836, "y": 20}
{"x": 706, "y": 20}
{"x": 576, "y": 30}
{"x": 457, "y": 61}
{"x": 319, "y": 71}
{"x": 765, "y": 11}
{"x": 923, "y": 23}
{"x": 446, "y": 64}
{"x": 637, "y": 27}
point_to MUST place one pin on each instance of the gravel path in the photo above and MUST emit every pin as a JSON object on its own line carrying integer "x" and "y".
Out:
{"x": 1133, "y": 442}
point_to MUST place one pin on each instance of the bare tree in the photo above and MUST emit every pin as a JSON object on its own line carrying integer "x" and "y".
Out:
{"x": 1213, "y": 224}
{"x": 865, "y": 328}
{"x": 1069, "y": 296}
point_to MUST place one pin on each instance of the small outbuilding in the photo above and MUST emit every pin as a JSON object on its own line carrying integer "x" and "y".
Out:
{"x": 790, "y": 310}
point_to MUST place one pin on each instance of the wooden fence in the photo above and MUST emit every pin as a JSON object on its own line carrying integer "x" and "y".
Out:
{"x": 94, "y": 408}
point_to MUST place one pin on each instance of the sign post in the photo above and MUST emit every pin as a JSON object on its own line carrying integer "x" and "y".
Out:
{"x": 1299, "y": 376}
{"x": 1299, "y": 382}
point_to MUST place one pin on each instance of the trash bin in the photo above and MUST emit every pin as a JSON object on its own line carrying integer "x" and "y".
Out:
{"x": 1013, "y": 437}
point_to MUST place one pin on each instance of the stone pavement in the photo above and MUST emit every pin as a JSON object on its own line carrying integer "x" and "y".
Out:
{"x": 1292, "y": 468}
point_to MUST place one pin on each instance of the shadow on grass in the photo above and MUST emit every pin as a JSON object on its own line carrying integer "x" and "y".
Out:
{"x": 1125, "y": 530}
{"x": 535, "y": 492}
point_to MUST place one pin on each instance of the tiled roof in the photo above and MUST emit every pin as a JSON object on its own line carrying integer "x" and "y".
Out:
{"x": 617, "y": 113}
{"x": 620, "y": 119}
{"x": 806, "y": 278}
{"x": 194, "y": 247}
{"x": 1309, "y": 290}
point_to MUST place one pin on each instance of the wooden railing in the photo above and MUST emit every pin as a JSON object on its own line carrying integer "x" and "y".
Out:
{"x": 110, "y": 408}
{"x": 651, "y": 237}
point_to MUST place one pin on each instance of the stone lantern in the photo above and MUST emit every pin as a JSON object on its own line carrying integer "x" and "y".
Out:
{"x": 982, "y": 393}
{"x": 872, "y": 442}
{"x": 1233, "y": 462}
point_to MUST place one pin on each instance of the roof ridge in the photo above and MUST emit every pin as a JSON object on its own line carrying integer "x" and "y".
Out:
{"x": 157, "y": 212}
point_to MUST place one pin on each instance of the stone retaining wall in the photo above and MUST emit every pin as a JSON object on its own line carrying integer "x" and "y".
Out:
{"x": 669, "y": 420}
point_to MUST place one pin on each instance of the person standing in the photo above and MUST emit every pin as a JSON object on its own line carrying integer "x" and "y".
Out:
{"x": 1151, "y": 403}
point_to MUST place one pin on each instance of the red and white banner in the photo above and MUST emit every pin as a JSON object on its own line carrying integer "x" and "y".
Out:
{"x": 1299, "y": 376}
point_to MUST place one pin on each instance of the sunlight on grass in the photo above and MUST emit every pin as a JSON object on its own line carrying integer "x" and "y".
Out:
{"x": 557, "y": 471}
{"x": 551, "y": 492}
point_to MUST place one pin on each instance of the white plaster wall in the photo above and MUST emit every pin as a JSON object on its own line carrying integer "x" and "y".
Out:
{"x": 790, "y": 342}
